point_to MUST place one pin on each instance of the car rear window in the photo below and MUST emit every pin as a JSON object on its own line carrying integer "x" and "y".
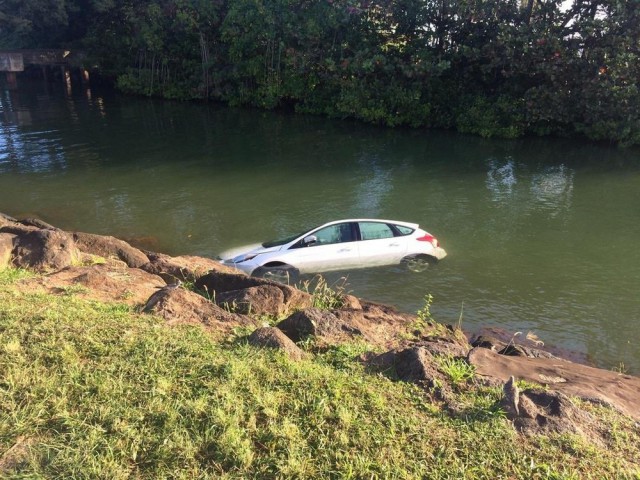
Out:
{"x": 404, "y": 230}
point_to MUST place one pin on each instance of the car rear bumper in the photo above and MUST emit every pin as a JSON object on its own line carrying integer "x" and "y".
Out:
{"x": 439, "y": 253}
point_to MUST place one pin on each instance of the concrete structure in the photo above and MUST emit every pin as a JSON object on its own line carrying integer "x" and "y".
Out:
{"x": 15, "y": 61}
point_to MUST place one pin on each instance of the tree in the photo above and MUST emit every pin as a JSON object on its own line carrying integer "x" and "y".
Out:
{"x": 491, "y": 67}
{"x": 32, "y": 23}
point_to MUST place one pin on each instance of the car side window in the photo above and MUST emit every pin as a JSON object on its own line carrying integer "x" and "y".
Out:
{"x": 375, "y": 230}
{"x": 339, "y": 233}
{"x": 404, "y": 230}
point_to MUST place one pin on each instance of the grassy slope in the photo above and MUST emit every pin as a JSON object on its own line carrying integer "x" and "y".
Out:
{"x": 98, "y": 391}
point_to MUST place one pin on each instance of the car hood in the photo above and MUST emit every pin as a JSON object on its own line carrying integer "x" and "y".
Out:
{"x": 232, "y": 253}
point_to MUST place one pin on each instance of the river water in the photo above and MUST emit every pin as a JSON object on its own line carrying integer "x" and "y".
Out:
{"x": 543, "y": 235}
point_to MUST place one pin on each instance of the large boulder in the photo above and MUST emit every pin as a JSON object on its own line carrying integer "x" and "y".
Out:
{"x": 224, "y": 282}
{"x": 271, "y": 337}
{"x": 216, "y": 282}
{"x": 185, "y": 268}
{"x": 41, "y": 249}
{"x": 351, "y": 303}
{"x": 178, "y": 305}
{"x": 318, "y": 323}
{"x": 263, "y": 299}
{"x": 417, "y": 365}
{"x": 385, "y": 314}
{"x": 614, "y": 389}
{"x": 107, "y": 246}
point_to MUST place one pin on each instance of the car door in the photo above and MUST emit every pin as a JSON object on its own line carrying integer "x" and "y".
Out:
{"x": 335, "y": 248}
{"x": 380, "y": 244}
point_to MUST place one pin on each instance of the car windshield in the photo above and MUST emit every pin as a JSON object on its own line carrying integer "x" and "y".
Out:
{"x": 277, "y": 243}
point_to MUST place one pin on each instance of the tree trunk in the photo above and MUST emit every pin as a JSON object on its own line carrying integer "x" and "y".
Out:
{"x": 528, "y": 10}
{"x": 204, "y": 53}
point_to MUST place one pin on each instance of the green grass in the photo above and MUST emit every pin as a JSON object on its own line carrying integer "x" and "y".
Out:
{"x": 100, "y": 391}
{"x": 323, "y": 295}
{"x": 458, "y": 371}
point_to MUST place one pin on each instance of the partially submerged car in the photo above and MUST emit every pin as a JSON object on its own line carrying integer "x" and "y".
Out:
{"x": 339, "y": 245}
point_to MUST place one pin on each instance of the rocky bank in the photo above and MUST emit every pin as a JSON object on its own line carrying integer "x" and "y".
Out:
{"x": 201, "y": 291}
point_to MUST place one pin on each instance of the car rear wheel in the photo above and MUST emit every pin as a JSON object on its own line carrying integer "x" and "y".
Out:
{"x": 419, "y": 263}
{"x": 278, "y": 273}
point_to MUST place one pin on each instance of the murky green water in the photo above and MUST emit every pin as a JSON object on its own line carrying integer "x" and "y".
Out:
{"x": 542, "y": 235}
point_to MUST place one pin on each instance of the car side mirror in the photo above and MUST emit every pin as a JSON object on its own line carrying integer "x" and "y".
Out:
{"x": 310, "y": 240}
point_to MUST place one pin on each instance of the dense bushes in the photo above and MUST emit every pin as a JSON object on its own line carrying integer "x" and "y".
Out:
{"x": 491, "y": 67}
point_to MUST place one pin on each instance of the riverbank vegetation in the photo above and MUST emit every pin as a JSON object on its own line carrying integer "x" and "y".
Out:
{"x": 98, "y": 390}
{"x": 494, "y": 67}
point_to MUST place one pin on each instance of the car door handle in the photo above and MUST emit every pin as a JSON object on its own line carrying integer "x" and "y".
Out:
{"x": 344, "y": 250}
{"x": 394, "y": 244}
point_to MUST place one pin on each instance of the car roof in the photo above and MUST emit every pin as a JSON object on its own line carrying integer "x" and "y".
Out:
{"x": 380, "y": 220}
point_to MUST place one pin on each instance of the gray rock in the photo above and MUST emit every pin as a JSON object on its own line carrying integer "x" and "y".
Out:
{"x": 107, "y": 246}
{"x": 271, "y": 337}
{"x": 264, "y": 299}
{"x": 611, "y": 388}
{"x": 186, "y": 268}
{"x": 516, "y": 350}
{"x": 181, "y": 306}
{"x": 40, "y": 249}
{"x": 314, "y": 322}
{"x": 511, "y": 398}
{"x": 157, "y": 296}
{"x": 440, "y": 346}
{"x": 486, "y": 341}
{"x": 215, "y": 283}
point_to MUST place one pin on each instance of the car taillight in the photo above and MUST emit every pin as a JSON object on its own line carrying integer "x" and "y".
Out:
{"x": 429, "y": 238}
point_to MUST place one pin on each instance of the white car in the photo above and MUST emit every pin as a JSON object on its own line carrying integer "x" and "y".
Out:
{"x": 343, "y": 244}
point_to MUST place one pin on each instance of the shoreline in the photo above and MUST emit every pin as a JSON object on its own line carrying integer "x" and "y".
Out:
{"x": 221, "y": 298}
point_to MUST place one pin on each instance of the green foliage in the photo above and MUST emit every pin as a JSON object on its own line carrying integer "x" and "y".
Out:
{"x": 458, "y": 370}
{"x": 492, "y": 68}
{"x": 325, "y": 296}
{"x": 424, "y": 319}
{"x": 26, "y": 25}
{"x": 487, "y": 117}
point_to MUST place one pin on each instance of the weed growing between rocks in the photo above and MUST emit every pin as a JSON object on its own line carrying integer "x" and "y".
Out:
{"x": 425, "y": 321}
{"x": 325, "y": 296}
{"x": 425, "y": 326}
{"x": 457, "y": 370}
